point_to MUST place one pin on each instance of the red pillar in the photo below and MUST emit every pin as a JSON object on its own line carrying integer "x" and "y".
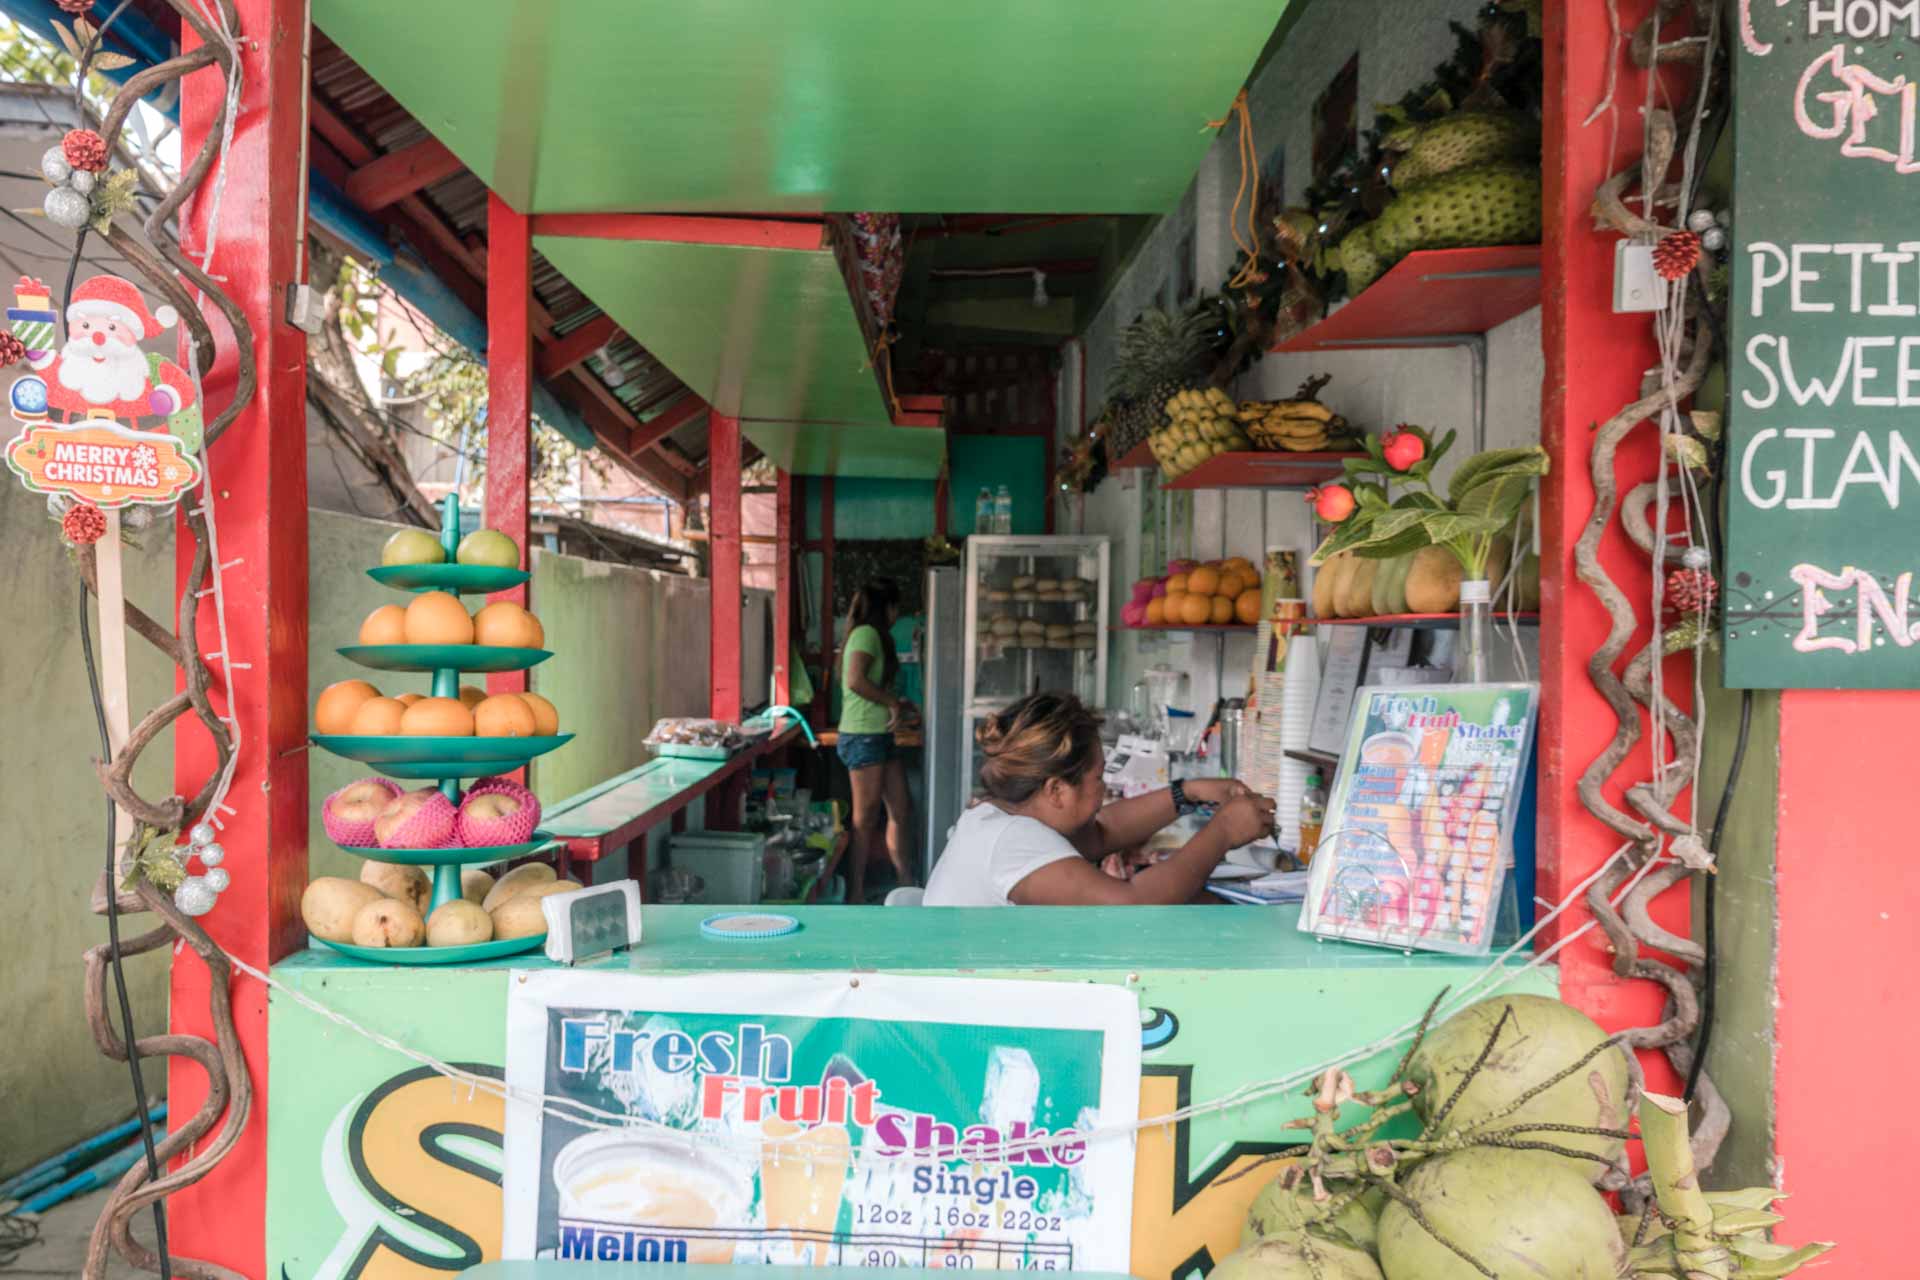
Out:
{"x": 821, "y": 700}
{"x": 259, "y": 488}
{"x": 509, "y": 393}
{"x": 723, "y": 452}
{"x": 1594, "y": 361}
{"x": 783, "y": 645}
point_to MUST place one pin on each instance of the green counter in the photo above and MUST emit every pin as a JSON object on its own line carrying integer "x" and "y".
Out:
{"x": 375, "y": 1161}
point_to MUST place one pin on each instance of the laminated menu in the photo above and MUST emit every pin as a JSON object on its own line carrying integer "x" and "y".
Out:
{"x": 1419, "y": 828}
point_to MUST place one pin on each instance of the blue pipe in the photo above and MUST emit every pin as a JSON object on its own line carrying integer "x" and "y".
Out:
{"x": 403, "y": 271}
{"x": 108, "y": 1170}
{"x": 74, "y": 1157}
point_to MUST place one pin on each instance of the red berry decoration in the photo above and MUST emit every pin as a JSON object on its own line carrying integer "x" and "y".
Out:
{"x": 75, "y": 7}
{"x": 85, "y": 149}
{"x": 1677, "y": 253}
{"x": 83, "y": 524}
{"x": 1691, "y": 590}
{"x": 1402, "y": 448}
{"x": 1332, "y": 502}
{"x": 12, "y": 350}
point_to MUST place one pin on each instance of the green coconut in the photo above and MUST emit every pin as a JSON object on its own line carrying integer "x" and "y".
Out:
{"x": 1279, "y": 1210}
{"x": 1521, "y": 1214}
{"x": 1296, "y": 1256}
{"x": 1542, "y": 1038}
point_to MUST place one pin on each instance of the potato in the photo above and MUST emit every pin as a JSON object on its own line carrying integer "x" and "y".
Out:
{"x": 475, "y": 884}
{"x": 411, "y": 885}
{"x": 458, "y": 923}
{"x": 1433, "y": 583}
{"x": 552, "y": 887}
{"x": 516, "y": 882}
{"x": 1356, "y": 589}
{"x": 388, "y": 922}
{"x": 519, "y": 917}
{"x": 330, "y": 904}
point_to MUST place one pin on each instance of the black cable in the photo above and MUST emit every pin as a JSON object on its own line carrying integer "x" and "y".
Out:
{"x": 120, "y": 973}
{"x": 145, "y": 1111}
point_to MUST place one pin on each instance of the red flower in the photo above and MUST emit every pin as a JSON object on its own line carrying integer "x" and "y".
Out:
{"x": 1332, "y": 502}
{"x": 12, "y": 350}
{"x": 1691, "y": 590}
{"x": 85, "y": 149}
{"x": 1403, "y": 448}
{"x": 1677, "y": 253}
{"x": 83, "y": 524}
{"x": 75, "y": 7}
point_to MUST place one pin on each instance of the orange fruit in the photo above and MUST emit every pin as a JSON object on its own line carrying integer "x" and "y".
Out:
{"x": 437, "y": 718}
{"x": 1231, "y": 584}
{"x": 546, "y": 720}
{"x": 1222, "y": 610}
{"x": 506, "y": 623}
{"x": 472, "y": 695}
{"x": 333, "y": 711}
{"x": 1242, "y": 566}
{"x": 1195, "y": 611}
{"x": 435, "y": 617}
{"x": 1157, "y": 612}
{"x": 408, "y": 699}
{"x": 1203, "y": 581}
{"x": 378, "y": 717}
{"x": 385, "y": 625}
{"x": 1177, "y": 585}
{"x": 504, "y": 715}
{"x": 1247, "y": 607}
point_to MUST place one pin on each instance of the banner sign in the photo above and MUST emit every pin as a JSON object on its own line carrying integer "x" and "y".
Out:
{"x": 1823, "y": 453}
{"x": 103, "y": 463}
{"x": 1419, "y": 828}
{"x": 821, "y": 1119}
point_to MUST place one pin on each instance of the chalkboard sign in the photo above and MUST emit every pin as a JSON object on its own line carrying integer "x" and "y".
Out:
{"x": 1823, "y": 461}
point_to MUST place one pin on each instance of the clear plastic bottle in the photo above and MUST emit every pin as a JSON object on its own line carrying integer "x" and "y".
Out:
{"x": 1003, "y": 511}
{"x": 983, "y": 511}
{"x": 1313, "y": 815}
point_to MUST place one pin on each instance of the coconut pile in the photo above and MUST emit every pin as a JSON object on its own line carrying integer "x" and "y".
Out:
{"x": 1524, "y": 1105}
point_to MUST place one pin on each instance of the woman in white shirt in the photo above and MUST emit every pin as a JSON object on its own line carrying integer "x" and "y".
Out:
{"x": 1042, "y": 836}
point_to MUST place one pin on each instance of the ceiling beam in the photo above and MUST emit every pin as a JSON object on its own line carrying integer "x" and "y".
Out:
{"x": 995, "y": 224}
{"x": 563, "y": 353}
{"x": 396, "y": 175}
{"x": 675, "y": 415}
{"x": 739, "y": 233}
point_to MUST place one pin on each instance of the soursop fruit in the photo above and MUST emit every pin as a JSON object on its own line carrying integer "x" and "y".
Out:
{"x": 1483, "y": 205}
{"x": 1462, "y": 140}
{"x": 1357, "y": 258}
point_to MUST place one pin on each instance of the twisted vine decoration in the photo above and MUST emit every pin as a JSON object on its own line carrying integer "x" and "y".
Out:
{"x": 169, "y": 271}
{"x": 1652, "y": 829}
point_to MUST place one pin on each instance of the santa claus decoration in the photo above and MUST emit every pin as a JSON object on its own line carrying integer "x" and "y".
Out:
{"x": 102, "y": 372}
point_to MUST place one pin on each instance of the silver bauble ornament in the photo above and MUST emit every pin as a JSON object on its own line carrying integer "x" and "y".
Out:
{"x": 67, "y": 208}
{"x": 1724, "y": 218}
{"x": 211, "y": 855}
{"x": 194, "y": 897}
{"x": 1699, "y": 220}
{"x": 54, "y": 167}
{"x": 1696, "y": 557}
{"x": 218, "y": 879}
{"x": 1713, "y": 239}
{"x": 203, "y": 833}
{"x": 82, "y": 181}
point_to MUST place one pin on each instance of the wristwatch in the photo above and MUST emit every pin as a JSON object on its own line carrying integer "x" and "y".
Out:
{"x": 1181, "y": 805}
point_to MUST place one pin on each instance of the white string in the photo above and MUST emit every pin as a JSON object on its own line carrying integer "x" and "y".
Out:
{"x": 1494, "y": 976}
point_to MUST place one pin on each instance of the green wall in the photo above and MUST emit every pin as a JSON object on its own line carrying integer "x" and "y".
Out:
{"x": 629, "y": 646}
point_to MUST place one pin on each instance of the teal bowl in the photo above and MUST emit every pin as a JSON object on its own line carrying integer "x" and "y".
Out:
{"x": 438, "y": 955}
{"x": 443, "y": 657}
{"x": 462, "y": 857}
{"x": 461, "y": 579}
{"x": 466, "y": 755}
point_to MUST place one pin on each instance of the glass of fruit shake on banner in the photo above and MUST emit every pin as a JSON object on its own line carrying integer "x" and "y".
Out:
{"x": 803, "y": 1178}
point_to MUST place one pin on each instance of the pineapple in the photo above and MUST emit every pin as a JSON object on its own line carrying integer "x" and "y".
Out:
{"x": 1160, "y": 353}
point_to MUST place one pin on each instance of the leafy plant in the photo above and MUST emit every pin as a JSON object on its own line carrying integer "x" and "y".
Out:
{"x": 1483, "y": 499}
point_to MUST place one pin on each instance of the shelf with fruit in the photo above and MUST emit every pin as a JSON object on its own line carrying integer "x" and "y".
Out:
{"x": 417, "y": 915}
{"x": 1218, "y": 595}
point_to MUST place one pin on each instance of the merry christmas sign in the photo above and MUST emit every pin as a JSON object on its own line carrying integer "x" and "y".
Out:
{"x": 100, "y": 418}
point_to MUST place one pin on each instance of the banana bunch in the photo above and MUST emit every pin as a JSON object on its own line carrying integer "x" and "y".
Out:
{"x": 1299, "y": 425}
{"x": 1200, "y": 424}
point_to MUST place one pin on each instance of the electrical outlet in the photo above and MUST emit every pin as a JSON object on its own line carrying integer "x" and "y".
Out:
{"x": 1636, "y": 285}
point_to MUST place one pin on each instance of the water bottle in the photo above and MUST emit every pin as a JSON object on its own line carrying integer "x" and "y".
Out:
{"x": 983, "y": 511}
{"x": 1003, "y": 511}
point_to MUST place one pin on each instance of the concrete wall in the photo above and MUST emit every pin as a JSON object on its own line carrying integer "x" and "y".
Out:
{"x": 630, "y": 646}
{"x": 1375, "y": 389}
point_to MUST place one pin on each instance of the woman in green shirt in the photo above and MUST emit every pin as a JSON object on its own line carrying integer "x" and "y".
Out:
{"x": 869, "y": 713}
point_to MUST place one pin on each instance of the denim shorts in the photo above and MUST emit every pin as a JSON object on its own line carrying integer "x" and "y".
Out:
{"x": 864, "y": 750}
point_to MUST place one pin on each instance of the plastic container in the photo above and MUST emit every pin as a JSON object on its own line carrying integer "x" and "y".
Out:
{"x": 1003, "y": 511}
{"x": 731, "y": 863}
{"x": 983, "y": 509}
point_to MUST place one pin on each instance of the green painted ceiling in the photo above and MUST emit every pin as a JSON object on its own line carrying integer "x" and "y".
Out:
{"x": 760, "y": 333}
{"x": 894, "y": 453}
{"x": 741, "y": 106}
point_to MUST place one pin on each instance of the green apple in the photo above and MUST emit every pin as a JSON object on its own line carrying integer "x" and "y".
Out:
{"x": 413, "y": 546}
{"x": 488, "y": 546}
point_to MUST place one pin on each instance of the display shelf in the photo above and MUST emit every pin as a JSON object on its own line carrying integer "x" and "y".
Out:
{"x": 463, "y": 856}
{"x": 437, "y": 657}
{"x": 1423, "y": 621}
{"x": 461, "y": 579}
{"x": 1247, "y": 628}
{"x": 1431, "y": 298}
{"x": 439, "y": 955}
{"x": 464, "y": 755}
{"x": 1138, "y": 458}
{"x": 1264, "y": 469}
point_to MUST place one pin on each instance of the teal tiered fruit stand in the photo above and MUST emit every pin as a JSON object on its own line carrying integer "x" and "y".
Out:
{"x": 445, "y": 760}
